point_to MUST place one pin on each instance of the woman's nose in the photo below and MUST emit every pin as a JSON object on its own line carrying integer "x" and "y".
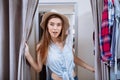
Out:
{"x": 55, "y": 27}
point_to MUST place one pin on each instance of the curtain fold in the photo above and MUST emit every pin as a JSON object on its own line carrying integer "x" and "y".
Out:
{"x": 4, "y": 40}
{"x": 16, "y": 18}
{"x": 15, "y": 28}
{"x": 101, "y": 69}
{"x": 23, "y": 66}
{"x": 97, "y": 6}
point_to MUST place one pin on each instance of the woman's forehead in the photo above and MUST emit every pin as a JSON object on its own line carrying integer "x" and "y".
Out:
{"x": 55, "y": 20}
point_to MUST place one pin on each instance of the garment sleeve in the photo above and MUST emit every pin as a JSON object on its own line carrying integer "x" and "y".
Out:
{"x": 69, "y": 39}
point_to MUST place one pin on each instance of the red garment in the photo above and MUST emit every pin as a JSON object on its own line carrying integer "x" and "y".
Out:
{"x": 105, "y": 35}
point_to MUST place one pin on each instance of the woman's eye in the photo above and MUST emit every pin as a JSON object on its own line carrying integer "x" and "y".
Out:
{"x": 59, "y": 24}
{"x": 51, "y": 24}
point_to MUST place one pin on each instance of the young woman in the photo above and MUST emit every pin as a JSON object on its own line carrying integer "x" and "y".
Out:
{"x": 55, "y": 49}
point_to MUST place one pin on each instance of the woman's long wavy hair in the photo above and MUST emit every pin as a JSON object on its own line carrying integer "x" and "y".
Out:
{"x": 46, "y": 38}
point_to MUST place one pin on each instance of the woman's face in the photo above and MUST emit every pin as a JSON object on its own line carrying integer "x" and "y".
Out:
{"x": 54, "y": 27}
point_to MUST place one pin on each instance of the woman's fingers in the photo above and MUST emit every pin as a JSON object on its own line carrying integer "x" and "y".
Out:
{"x": 26, "y": 44}
{"x": 26, "y": 48}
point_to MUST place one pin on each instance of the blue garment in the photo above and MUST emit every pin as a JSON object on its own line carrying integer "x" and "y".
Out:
{"x": 113, "y": 44}
{"x": 114, "y": 70}
{"x": 117, "y": 17}
{"x": 117, "y": 47}
{"x": 61, "y": 62}
{"x": 111, "y": 13}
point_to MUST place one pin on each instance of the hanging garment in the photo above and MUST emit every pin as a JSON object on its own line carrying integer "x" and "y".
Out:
{"x": 113, "y": 43}
{"x": 105, "y": 35}
{"x": 111, "y": 20}
{"x": 117, "y": 17}
{"x": 111, "y": 13}
{"x": 117, "y": 40}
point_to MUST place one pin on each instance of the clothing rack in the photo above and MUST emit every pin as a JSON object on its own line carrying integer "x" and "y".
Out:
{"x": 109, "y": 69}
{"x": 113, "y": 60}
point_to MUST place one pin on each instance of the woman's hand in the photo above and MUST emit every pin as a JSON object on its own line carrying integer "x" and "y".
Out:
{"x": 37, "y": 66}
{"x": 91, "y": 69}
{"x": 26, "y": 49}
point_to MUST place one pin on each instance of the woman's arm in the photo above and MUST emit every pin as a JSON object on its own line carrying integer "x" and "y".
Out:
{"x": 81, "y": 63}
{"x": 37, "y": 65}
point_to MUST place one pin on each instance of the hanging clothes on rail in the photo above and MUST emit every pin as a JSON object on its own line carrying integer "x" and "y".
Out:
{"x": 109, "y": 38}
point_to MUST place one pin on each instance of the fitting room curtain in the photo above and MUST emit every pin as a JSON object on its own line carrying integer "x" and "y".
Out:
{"x": 101, "y": 70}
{"x": 97, "y": 21}
{"x": 96, "y": 12}
{"x": 15, "y": 26}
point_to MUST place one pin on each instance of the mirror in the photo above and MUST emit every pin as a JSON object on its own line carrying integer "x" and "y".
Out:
{"x": 68, "y": 9}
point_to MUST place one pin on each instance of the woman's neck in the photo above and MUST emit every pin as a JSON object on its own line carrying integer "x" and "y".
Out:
{"x": 55, "y": 40}
{"x": 58, "y": 42}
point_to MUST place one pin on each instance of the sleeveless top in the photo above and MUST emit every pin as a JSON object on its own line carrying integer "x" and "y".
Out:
{"x": 60, "y": 62}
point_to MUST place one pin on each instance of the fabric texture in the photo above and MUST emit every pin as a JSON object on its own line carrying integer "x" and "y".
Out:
{"x": 61, "y": 62}
{"x": 97, "y": 7}
{"x": 101, "y": 68}
{"x": 29, "y": 8}
{"x": 4, "y": 41}
{"x": 75, "y": 78}
{"x": 15, "y": 16}
{"x": 105, "y": 35}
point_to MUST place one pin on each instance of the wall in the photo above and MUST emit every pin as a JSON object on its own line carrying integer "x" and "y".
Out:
{"x": 85, "y": 29}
